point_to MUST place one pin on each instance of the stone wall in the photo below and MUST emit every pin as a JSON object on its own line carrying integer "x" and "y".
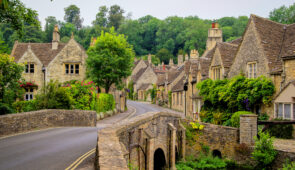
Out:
{"x": 134, "y": 142}
{"x": 28, "y": 121}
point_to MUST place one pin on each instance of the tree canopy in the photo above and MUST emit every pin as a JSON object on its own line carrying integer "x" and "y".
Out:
{"x": 283, "y": 14}
{"x": 110, "y": 60}
{"x": 72, "y": 15}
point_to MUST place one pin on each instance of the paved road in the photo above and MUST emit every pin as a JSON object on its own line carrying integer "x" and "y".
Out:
{"x": 57, "y": 148}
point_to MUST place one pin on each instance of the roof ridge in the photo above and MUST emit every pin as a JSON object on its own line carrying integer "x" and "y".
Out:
{"x": 252, "y": 16}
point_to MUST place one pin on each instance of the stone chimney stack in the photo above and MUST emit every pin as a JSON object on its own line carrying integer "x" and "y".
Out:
{"x": 55, "y": 37}
{"x": 150, "y": 58}
{"x": 214, "y": 36}
{"x": 194, "y": 54}
{"x": 180, "y": 60}
{"x": 171, "y": 62}
{"x": 186, "y": 57}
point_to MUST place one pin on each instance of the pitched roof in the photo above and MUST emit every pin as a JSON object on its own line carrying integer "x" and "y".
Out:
{"x": 227, "y": 53}
{"x": 43, "y": 51}
{"x": 138, "y": 74}
{"x": 289, "y": 42}
{"x": 179, "y": 85}
{"x": 205, "y": 65}
{"x": 144, "y": 87}
{"x": 161, "y": 79}
{"x": 236, "y": 41}
{"x": 271, "y": 35}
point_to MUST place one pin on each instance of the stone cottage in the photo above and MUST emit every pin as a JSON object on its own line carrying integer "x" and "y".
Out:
{"x": 50, "y": 61}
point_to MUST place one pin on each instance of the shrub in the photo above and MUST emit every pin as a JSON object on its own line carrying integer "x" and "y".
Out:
{"x": 206, "y": 116}
{"x": 202, "y": 162}
{"x": 264, "y": 152}
{"x": 105, "y": 102}
{"x": 217, "y": 118}
{"x": 53, "y": 96}
{"x": 235, "y": 119}
{"x": 24, "y": 106}
{"x": 281, "y": 131}
{"x": 288, "y": 165}
{"x": 263, "y": 116}
{"x": 5, "y": 109}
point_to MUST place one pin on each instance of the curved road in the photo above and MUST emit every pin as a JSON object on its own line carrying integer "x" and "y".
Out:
{"x": 57, "y": 148}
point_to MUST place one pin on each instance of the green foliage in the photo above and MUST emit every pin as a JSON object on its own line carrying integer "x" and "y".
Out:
{"x": 281, "y": 131}
{"x": 105, "y": 103}
{"x": 131, "y": 90}
{"x": 24, "y": 106}
{"x": 5, "y": 109}
{"x": 238, "y": 93}
{"x": 10, "y": 73}
{"x": 264, "y": 152}
{"x": 153, "y": 93}
{"x": 263, "y": 116}
{"x": 164, "y": 55}
{"x": 72, "y": 15}
{"x": 53, "y": 96}
{"x": 283, "y": 14}
{"x": 109, "y": 60}
{"x": 101, "y": 17}
{"x": 15, "y": 13}
{"x": 235, "y": 119}
{"x": 288, "y": 165}
{"x": 202, "y": 162}
{"x": 155, "y": 60}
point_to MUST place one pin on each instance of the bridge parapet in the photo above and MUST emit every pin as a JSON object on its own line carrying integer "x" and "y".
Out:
{"x": 134, "y": 142}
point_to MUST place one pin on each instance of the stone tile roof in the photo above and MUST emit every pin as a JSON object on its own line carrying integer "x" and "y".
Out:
{"x": 187, "y": 65}
{"x": 173, "y": 73}
{"x": 205, "y": 62}
{"x": 227, "y": 52}
{"x": 161, "y": 79}
{"x": 271, "y": 35}
{"x": 43, "y": 51}
{"x": 179, "y": 85}
{"x": 138, "y": 74}
{"x": 236, "y": 41}
{"x": 144, "y": 87}
{"x": 289, "y": 42}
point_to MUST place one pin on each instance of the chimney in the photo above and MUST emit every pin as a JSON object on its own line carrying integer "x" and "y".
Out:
{"x": 171, "y": 62}
{"x": 179, "y": 60}
{"x": 186, "y": 57}
{"x": 194, "y": 54}
{"x": 92, "y": 42}
{"x": 55, "y": 38}
{"x": 150, "y": 58}
{"x": 164, "y": 67}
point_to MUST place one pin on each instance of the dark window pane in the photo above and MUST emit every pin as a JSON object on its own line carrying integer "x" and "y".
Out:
{"x": 287, "y": 110}
{"x": 31, "y": 68}
{"x": 27, "y": 68}
{"x": 31, "y": 96}
{"x": 31, "y": 90}
{"x": 77, "y": 68}
{"x": 67, "y": 69}
{"x": 27, "y": 96}
{"x": 280, "y": 110}
{"x": 72, "y": 68}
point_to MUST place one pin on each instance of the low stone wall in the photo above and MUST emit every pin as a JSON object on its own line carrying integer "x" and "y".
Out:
{"x": 23, "y": 122}
{"x": 117, "y": 145}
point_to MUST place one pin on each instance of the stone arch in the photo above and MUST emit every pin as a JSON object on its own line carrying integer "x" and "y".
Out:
{"x": 159, "y": 159}
{"x": 216, "y": 153}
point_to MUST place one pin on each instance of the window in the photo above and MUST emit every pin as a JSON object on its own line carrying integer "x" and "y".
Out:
{"x": 284, "y": 110}
{"x": 29, "y": 94}
{"x": 30, "y": 68}
{"x": 177, "y": 99}
{"x": 216, "y": 73}
{"x": 180, "y": 98}
{"x": 72, "y": 68}
{"x": 252, "y": 70}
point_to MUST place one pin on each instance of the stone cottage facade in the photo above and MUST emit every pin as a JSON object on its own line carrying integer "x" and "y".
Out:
{"x": 50, "y": 61}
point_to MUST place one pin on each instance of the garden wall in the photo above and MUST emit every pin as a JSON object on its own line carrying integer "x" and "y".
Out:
{"x": 23, "y": 122}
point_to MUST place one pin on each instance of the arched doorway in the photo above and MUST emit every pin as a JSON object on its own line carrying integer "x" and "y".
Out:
{"x": 216, "y": 153}
{"x": 159, "y": 160}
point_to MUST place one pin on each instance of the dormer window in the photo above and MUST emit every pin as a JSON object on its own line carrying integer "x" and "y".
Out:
{"x": 72, "y": 68}
{"x": 30, "y": 68}
{"x": 252, "y": 68}
{"x": 216, "y": 73}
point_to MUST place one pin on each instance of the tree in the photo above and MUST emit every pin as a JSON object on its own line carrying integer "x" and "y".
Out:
{"x": 101, "y": 17}
{"x": 284, "y": 15}
{"x": 10, "y": 73}
{"x": 115, "y": 17}
{"x": 72, "y": 15}
{"x": 16, "y": 14}
{"x": 110, "y": 60}
{"x": 49, "y": 26}
{"x": 164, "y": 55}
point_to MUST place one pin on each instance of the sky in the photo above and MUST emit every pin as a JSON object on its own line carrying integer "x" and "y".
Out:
{"x": 205, "y": 9}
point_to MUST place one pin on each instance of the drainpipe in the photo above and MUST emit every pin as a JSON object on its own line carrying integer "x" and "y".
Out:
{"x": 44, "y": 77}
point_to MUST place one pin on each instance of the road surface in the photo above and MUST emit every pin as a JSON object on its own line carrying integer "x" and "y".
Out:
{"x": 58, "y": 148}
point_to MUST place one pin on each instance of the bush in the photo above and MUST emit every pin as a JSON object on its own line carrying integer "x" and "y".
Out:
{"x": 235, "y": 119}
{"x": 203, "y": 162}
{"x": 105, "y": 102}
{"x": 53, "y": 96}
{"x": 281, "y": 131}
{"x": 5, "y": 109}
{"x": 288, "y": 165}
{"x": 24, "y": 106}
{"x": 206, "y": 116}
{"x": 264, "y": 152}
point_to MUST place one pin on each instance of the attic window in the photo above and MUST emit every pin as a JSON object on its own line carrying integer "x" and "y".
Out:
{"x": 252, "y": 69}
{"x": 216, "y": 73}
{"x": 72, "y": 68}
{"x": 30, "y": 68}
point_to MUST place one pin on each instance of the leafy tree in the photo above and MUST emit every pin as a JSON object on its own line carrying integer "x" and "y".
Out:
{"x": 33, "y": 34}
{"x": 227, "y": 32}
{"x": 72, "y": 15}
{"x": 115, "y": 17}
{"x": 17, "y": 15}
{"x": 10, "y": 73}
{"x": 101, "y": 17}
{"x": 67, "y": 29}
{"x": 49, "y": 26}
{"x": 3, "y": 46}
{"x": 109, "y": 60}
{"x": 284, "y": 15}
{"x": 164, "y": 55}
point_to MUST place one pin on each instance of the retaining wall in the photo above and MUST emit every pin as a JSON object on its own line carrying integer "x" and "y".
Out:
{"x": 28, "y": 121}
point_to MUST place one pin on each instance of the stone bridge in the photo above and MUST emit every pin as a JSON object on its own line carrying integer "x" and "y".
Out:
{"x": 149, "y": 141}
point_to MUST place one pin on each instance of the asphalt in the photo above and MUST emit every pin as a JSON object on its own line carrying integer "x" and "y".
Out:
{"x": 57, "y": 148}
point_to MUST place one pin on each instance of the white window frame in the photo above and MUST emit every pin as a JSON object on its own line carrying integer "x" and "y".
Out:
{"x": 292, "y": 116}
{"x": 252, "y": 69}
{"x": 29, "y": 95}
